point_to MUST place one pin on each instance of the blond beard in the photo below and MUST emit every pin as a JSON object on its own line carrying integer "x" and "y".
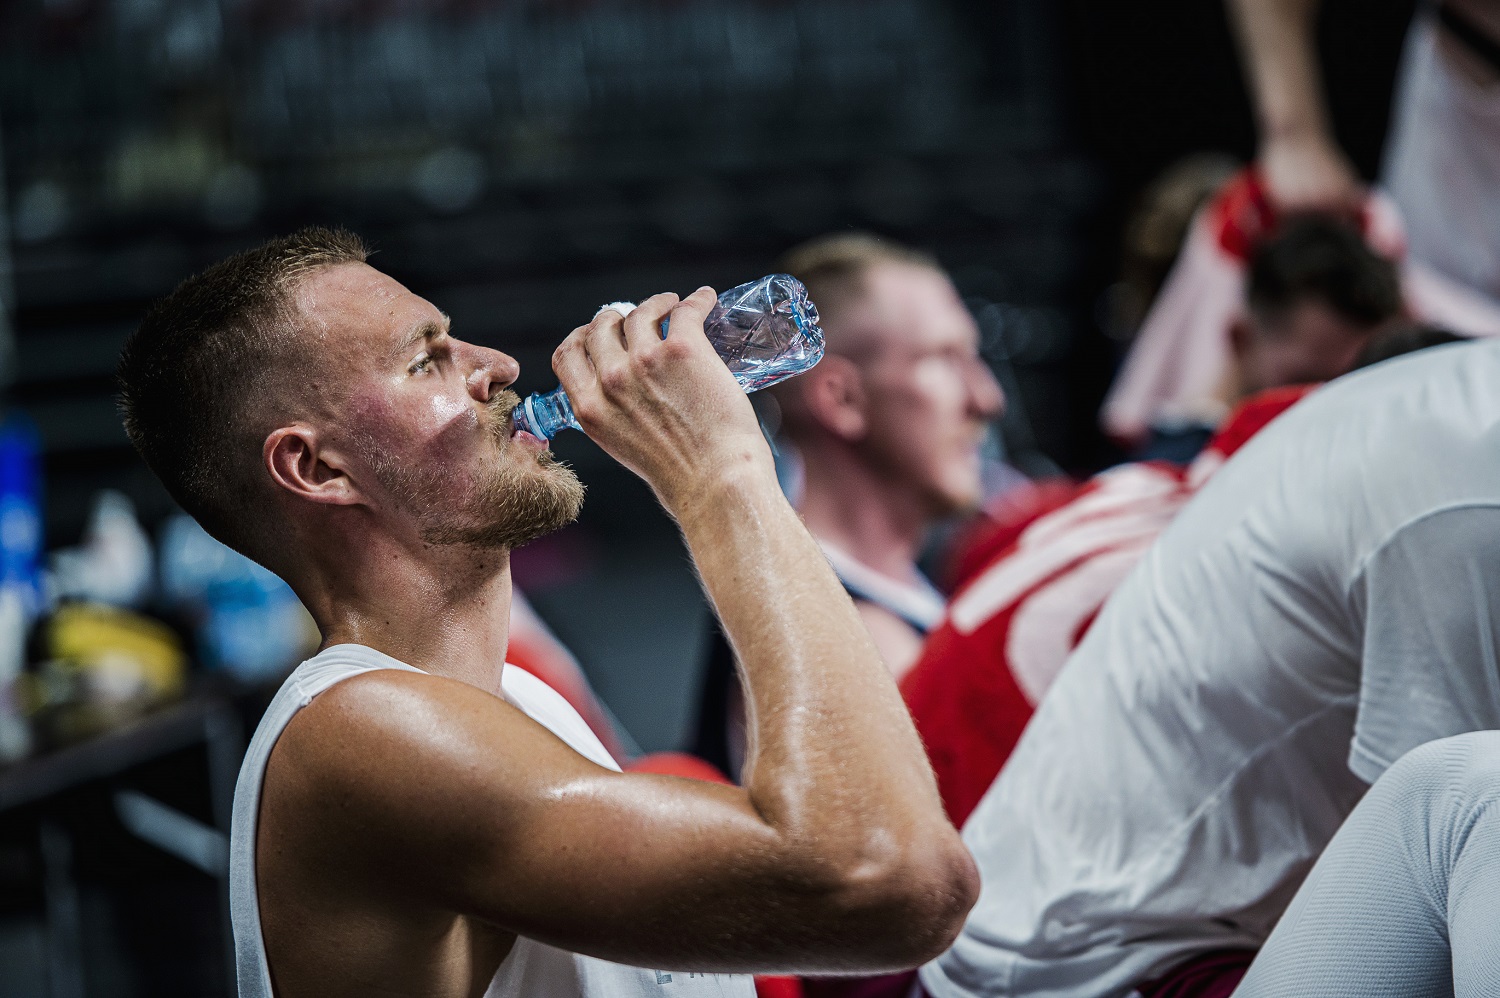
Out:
{"x": 514, "y": 505}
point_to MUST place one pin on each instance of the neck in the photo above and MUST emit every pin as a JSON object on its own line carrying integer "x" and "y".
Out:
{"x": 845, "y": 502}
{"x": 445, "y": 610}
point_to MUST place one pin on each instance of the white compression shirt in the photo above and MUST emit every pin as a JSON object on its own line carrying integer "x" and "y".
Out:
{"x": 531, "y": 968}
{"x": 1328, "y": 601}
{"x": 1405, "y": 902}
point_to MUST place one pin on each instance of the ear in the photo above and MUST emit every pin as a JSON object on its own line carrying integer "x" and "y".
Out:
{"x": 297, "y": 464}
{"x": 835, "y": 396}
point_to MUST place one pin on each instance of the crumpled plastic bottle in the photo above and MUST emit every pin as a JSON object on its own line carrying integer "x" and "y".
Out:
{"x": 766, "y": 331}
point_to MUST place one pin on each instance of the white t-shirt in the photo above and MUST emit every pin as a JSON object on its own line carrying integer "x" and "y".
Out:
{"x": 531, "y": 968}
{"x": 1321, "y": 607}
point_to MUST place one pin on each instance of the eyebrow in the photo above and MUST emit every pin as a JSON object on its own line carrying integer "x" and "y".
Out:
{"x": 427, "y": 330}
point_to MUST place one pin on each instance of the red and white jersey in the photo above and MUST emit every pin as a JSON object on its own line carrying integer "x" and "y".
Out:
{"x": 1050, "y": 568}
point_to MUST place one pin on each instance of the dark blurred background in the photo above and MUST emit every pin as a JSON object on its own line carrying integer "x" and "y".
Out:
{"x": 518, "y": 163}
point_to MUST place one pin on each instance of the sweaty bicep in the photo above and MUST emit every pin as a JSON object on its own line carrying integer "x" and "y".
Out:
{"x": 453, "y": 798}
{"x": 1431, "y": 654}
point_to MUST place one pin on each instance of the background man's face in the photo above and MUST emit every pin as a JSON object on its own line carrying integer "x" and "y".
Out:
{"x": 1306, "y": 343}
{"x": 931, "y": 397}
{"x": 423, "y": 418}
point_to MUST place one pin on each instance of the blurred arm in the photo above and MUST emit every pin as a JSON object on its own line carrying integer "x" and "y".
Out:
{"x": 1303, "y": 166}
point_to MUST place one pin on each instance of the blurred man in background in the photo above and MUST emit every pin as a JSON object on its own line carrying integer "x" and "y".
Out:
{"x": 885, "y": 437}
{"x": 1316, "y": 293}
{"x": 888, "y": 428}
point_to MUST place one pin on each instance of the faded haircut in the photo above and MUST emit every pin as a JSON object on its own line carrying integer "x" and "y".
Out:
{"x": 203, "y": 358}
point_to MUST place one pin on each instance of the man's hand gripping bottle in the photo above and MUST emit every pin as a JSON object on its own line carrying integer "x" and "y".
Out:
{"x": 766, "y": 331}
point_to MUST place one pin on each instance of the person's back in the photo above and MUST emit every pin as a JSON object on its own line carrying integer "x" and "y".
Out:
{"x": 1014, "y": 622}
{"x": 1194, "y": 756}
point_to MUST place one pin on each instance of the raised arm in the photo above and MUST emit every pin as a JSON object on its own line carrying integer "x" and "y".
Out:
{"x": 835, "y": 856}
{"x": 1303, "y": 166}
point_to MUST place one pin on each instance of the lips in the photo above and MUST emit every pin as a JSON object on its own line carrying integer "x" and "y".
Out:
{"x": 502, "y": 407}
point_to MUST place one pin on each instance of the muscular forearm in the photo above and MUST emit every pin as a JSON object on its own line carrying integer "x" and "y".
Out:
{"x": 835, "y": 764}
{"x": 838, "y": 855}
{"x": 1278, "y": 50}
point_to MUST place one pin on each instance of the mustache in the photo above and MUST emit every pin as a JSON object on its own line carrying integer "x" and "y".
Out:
{"x": 500, "y": 406}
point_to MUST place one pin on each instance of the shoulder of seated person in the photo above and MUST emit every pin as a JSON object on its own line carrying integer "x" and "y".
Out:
{"x": 393, "y": 699}
{"x": 368, "y": 731}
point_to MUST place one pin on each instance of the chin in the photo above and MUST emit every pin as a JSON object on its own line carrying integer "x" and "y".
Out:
{"x": 955, "y": 501}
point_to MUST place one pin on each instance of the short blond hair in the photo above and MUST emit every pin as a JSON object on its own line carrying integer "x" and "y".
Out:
{"x": 834, "y": 267}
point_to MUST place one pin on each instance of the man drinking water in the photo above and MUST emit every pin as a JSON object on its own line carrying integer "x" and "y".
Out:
{"x": 412, "y": 818}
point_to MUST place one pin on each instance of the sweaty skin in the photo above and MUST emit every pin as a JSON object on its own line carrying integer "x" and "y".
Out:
{"x": 412, "y": 825}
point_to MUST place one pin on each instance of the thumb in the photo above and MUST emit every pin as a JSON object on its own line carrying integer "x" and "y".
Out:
{"x": 689, "y": 314}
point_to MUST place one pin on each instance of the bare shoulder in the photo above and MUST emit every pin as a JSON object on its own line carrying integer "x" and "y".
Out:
{"x": 374, "y": 729}
{"x": 391, "y": 770}
{"x": 357, "y": 848}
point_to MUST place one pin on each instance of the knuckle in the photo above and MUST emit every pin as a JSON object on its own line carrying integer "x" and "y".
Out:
{"x": 586, "y": 410}
{"x": 613, "y": 380}
{"x": 646, "y": 360}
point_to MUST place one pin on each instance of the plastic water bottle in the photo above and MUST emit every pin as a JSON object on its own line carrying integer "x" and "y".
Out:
{"x": 766, "y": 331}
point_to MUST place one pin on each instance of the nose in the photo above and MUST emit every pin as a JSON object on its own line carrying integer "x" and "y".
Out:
{"x": 986, "y": 397}
{"x": 490, "y": 371}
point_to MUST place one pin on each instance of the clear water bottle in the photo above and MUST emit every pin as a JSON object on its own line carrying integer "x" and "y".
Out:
{"x": 766, "y": 331}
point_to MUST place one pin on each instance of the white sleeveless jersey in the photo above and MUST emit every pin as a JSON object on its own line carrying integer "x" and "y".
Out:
{"x": 531, "y": 968}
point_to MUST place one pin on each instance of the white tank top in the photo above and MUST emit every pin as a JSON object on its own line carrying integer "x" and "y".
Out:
{"x": 531, "y": 968}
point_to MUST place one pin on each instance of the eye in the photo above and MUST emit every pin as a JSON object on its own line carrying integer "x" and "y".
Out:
{"x": 421, "y": 364}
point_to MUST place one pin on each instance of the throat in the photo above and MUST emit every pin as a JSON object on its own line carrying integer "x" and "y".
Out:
{"x": 450, "y": 621}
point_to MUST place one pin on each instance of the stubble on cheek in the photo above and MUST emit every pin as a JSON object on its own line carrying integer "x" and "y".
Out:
{"x": 453, "y": 469}
{"x": 436, "y": 432}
